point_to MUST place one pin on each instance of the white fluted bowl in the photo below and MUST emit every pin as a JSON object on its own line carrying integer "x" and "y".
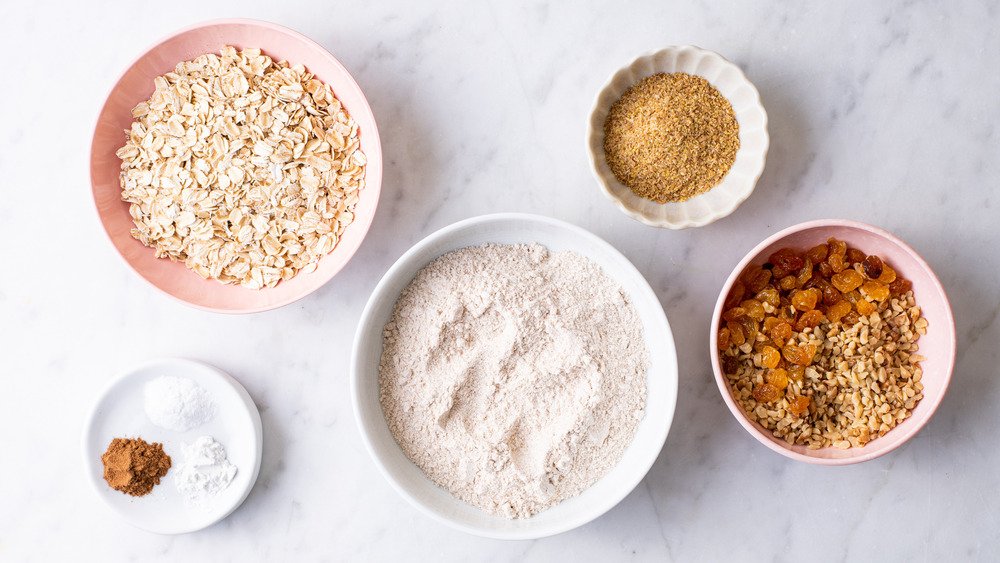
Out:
{"x": 737, "y": 185}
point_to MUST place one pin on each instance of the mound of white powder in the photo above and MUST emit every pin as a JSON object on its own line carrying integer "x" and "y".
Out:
{"x": 514, "y": 377}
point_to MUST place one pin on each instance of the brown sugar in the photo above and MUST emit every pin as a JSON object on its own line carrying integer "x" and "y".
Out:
{"x": 134, "y": 466}
{"x": 671, "y": 137}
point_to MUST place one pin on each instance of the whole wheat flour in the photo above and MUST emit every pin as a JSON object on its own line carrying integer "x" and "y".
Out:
{"x": 514, "y": 377}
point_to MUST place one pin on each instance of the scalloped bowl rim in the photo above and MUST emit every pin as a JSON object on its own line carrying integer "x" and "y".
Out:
{"x": 595, "y": 152}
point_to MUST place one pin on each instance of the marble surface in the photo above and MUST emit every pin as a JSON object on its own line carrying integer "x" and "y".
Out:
{"x": 883, "y": 112}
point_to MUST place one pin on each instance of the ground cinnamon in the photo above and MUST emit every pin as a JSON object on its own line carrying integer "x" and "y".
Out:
{"x": 134, "y": 466}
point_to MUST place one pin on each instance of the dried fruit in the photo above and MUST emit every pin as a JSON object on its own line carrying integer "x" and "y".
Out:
{"x": 735, "y": 295}
{"x": 818, "y": 253}
{"x": 802, "y": 355}
{"x": 847, "y": 280}
{"x": 766, "y": 393}
{"x": 805, "y": 274}
{"x": 736, "y": 335}
{"x": 757, "y": 278}
{"x": 809, "y": 319}
{"x": 888, "y": 274}
{"x": 872, "y": 267}
{"x": 825, "y": 269}
{"x": 799, "y": 405}
{"x": 753, "y": 309}
{"x": 865, "y": 307}
{"x": 778, "y": 378}
{"x": 781, "y": 333}
{"x": 900, "y": 286}
{"x": 855, "y": 256}
{"x": 837, "y": 247}
{"x": 788, "y": 283}
{"x": 838, "y": 310}
{"x": 769, "y": 357}
{"x": 787, "y": 259}
{"x": 770, "y": 296}
{"x": 851, "y": 318}
{"x": 730, "y": 364}
{"x": 750, "y": 328}
{"x": 734, "y": 313}
{"x": 837, "y": 262}
{"x": 805, "y": 299}
{"x": 724, "y": 338}
{"x": 875, "y": 291}
{"x": 796, "y": 372}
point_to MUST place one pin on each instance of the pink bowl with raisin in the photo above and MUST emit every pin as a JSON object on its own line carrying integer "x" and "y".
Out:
{"x": 938, "y": 345}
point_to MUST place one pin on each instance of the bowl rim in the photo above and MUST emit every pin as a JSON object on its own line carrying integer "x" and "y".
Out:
{"x": 723, "y": 385}
{"x": 602, "y": 180}
{"x": 366, "y": 436}
{"x": 374, "y": 164}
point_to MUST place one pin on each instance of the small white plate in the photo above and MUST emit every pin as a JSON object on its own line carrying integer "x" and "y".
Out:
{"x": 120, "y": 413}
{"x": 735, "y": 188}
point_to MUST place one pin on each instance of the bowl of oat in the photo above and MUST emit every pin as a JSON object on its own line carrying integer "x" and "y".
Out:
{"x": 236, "y": 166}
{"x": 833, "y": 342}
{"x": 678, "y": 138}
{"x": 513, "y": 376}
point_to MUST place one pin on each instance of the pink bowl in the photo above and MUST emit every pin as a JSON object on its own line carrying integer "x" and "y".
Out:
{"x": 938, "y": 345}
{"x": 136, "y": 84}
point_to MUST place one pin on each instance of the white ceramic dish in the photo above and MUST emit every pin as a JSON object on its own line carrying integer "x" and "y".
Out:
{"x": 120, "y": 413}
{"x": 410, "y": 481}
{"x": 735, "y": 188}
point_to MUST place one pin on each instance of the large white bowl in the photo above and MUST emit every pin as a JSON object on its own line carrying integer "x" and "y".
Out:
{"x": 735, "y": 187}
{"x": 410, "y": 481}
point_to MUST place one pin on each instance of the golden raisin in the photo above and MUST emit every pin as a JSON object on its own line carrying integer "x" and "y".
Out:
{"x": 799, "y": 405}
{"x": 750, "y": 328}
{"x": 825, "y": 269}
{"x": 736, "y": 335}
{"x": 769, "y": 357}
{"x": 847, "y": 280}
{"x": 855, "y": 256}
{"x": 872, "y": 267}
{"x": 837, "y": 247}
{"x": 753, "y": 309}
{"x": 850, "y": 319}
{"x": 900, "y": 286}
{"x": 770, "y": 323}
{"x": 730, "y": 364}
{"x": 875, "y": 291}
{"x": 766, "y": 393}
{"x": 838, "y": 310}
{"x": 805, "y": 299}
{"x": 735, "y": 295}
{"x": 786, "y": 259}
{"x": 809, "y": 319}
{"x": 770, "y": 296}
{"x": 796, "y": 373}
{"x": 734, "y": 313}
{"x": 805, "y": 274}
{"x": 788, "y": 283}
{"x": 865, "y": 307}
{"x": 802, "y": 355}
{"x": 781, "y": 333}
{"x": 818, "y": 253}
{"x": 888, "y": 274}
{"x": 756, "y": 278}
{"x": 723, "y": 338}
{"x": 837, "y": 263}
{"x": 778, "y": 378}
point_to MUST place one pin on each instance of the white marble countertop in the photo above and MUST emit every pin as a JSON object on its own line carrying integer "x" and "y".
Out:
{"x": 881, "y": 112}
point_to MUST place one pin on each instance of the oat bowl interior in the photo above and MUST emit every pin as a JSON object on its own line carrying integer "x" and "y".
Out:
{"x": 238, "y": 176}
{"x": 660, "y": 378}
{"x": 839, "y": 387}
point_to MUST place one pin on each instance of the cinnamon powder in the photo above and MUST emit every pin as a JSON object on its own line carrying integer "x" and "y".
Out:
{"x": 134, "y": 466}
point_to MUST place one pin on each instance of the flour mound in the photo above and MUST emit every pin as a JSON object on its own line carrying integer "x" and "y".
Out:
{"x": 514, "y": 377}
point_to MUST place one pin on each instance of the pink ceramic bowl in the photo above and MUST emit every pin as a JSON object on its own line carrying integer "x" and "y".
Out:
{"x": 136, "y": 84}
{"x": 938, "y": 345}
